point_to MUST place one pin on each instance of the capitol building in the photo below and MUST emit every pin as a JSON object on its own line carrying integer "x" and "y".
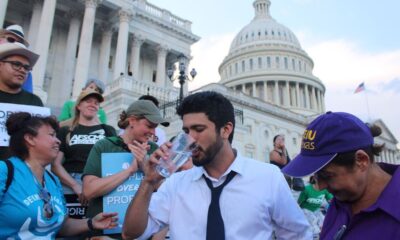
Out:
{"x": 130, "y": 44}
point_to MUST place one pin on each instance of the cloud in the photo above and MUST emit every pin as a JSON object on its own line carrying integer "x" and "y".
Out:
{"x": 208, "y": 54}
{"x": 393, "y": 85}
{"x": 341, "y": 65}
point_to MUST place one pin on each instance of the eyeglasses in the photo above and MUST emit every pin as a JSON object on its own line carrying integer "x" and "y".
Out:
{"x": 47, "y": 206}
{"x": 18, "y": 65}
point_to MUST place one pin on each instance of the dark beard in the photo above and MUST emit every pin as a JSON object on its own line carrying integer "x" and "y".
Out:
{"x": 210, "y": 153}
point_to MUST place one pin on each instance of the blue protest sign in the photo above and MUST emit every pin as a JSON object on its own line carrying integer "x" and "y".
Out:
{"x": 119, "y": 199}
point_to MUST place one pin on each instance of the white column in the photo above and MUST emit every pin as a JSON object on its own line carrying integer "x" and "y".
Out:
{"x": 293, "y": 96}
{"x": 135, "y": 56}
{"x": 244, "y": 88}
{"x": 265, "y": 91}
{"x": 313, "y": 98}
{"x": 161, "y": 73}
{"x": 307, "y": 96}
{"x": 85, "y": 46}
{"x": 69, "y": 58}
{"x": 391, "y": 156}
{"x": 122, "y": 43}
{"x": 105, "y": 49}
{"x": 298, "y": 99}
{"x": 35, "y": 21}
{"x": 42, "y": 46}
{"x": 3, "y": 10}
{"x": 386, "y": 160}
{"x": 322, "y": 102}
{"x": 276, "y": 93}
{"x": 319, "y": 100}
{"x": 253, "y": 86}
{"x": 286, "y": 95}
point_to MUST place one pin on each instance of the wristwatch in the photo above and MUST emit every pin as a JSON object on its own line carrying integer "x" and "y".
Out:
{"x": 90, "y": 224}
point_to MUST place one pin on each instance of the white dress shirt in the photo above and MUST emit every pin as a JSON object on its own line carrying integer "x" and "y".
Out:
{"x": 255, "y": 203}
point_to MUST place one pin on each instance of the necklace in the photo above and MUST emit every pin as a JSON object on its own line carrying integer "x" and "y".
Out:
{"x": 43, "y": 194}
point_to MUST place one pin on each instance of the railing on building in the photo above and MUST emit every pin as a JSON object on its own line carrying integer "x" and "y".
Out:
{"x": 164, "y": 14}
{"x": 163, "y": 94}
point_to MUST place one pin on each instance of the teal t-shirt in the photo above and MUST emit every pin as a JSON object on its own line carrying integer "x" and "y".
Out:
{"x": 312, "y": 199}
{"x": 21, "y": 208}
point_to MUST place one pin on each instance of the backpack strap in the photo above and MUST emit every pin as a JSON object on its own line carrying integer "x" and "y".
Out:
{"x": 107, "y": 133}
{"x": 10, "y": 174}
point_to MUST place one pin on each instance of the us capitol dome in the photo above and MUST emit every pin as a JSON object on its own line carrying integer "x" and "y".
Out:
{"x": 266, "y": 61}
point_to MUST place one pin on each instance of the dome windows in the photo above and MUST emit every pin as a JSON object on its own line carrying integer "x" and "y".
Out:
{"x": 277, "y": 62}
{"x": 268, "y": 62}
{"x": 286, "y": 63}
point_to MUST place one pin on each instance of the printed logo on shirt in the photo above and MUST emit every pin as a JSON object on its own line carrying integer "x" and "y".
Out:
{"x": 317, "y": 200}
{"x": 90, "y": 138}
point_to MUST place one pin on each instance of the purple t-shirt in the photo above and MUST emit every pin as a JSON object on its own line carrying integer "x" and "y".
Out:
{"x": 379, "y": 221}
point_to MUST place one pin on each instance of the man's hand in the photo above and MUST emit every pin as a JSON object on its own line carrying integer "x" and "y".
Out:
{"x": 152, "y": 177}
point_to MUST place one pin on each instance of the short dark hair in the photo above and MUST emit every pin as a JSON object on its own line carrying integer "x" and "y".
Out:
{"x": 149, "y": 97}
{"x": 214, "y": 105}
{"x": 20, "y": 123}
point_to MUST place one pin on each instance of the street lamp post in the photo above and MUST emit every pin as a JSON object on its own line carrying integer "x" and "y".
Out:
{"x": 182, "y": 74}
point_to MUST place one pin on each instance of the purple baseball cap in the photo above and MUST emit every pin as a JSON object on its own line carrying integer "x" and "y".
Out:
{"x": 326, "y": 136}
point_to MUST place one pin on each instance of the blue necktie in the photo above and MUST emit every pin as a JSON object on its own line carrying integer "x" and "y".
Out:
{"x": 215, "y": 223}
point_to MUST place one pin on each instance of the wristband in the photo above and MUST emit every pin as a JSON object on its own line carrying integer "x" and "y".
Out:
{"x": 90, "y": 224}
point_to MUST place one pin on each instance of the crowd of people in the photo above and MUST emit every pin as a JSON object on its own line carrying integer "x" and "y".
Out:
{"x": 218, "y": 194}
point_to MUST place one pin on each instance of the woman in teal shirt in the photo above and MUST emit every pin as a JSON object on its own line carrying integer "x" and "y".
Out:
{"x": 32, "y": 205}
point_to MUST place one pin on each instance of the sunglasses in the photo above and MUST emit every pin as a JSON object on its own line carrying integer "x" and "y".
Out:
{"x": 18, "y": 65}
{"x": 47, "y": 206}
{"x": 11, "y": 40}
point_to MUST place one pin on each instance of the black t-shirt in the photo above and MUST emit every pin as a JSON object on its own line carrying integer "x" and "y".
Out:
{"x": 23, "y": 98}
{"x": 80, "y": 142}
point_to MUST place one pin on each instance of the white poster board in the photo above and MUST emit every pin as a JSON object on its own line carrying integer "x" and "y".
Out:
{"x": 7, "y": 108}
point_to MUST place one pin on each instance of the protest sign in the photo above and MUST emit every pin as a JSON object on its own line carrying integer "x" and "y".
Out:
{"x": 7, "y": 108}
{"x": 119, "y": 199}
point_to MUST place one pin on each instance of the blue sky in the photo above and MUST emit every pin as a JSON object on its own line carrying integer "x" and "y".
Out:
{"x": 350, "y": 41}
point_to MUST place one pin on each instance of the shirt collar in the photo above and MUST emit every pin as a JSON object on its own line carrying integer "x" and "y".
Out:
{"x": 237, "y": 166}
{"x": 391, "y": 193}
